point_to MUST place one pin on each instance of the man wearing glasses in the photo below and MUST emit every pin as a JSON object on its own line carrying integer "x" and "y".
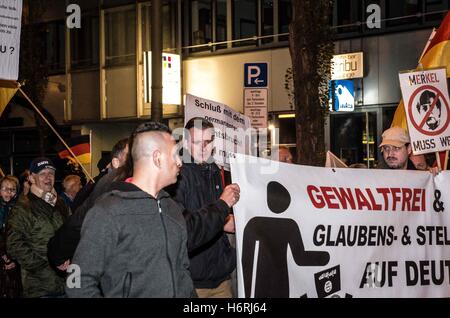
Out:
{"x": 396, "y": 148}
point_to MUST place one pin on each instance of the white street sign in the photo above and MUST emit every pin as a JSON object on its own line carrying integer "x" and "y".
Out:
{"x": 255, "y": 106}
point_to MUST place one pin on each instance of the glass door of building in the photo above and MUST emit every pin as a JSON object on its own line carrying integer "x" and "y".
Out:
{"x": 353, "y": 137}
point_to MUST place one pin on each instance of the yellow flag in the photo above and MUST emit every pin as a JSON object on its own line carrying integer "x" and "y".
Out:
{"x": 7, "y": 90}
{"x": 400, "y": 117}
{"x": 437, "y": 54}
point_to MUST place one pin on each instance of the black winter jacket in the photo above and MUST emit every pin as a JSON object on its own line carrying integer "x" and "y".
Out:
{"x": 62, "y": 245}
{"x": 198, "y": 190}
{"x": 133, "y": 245}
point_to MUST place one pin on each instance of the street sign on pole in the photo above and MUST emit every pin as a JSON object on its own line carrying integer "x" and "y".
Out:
{"x": 255, "y": 106}
{"x": 255, "y": 93}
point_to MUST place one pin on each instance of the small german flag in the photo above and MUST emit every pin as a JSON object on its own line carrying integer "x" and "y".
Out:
{"x": 7, "y": 90}
{"x": 80, "y": 147}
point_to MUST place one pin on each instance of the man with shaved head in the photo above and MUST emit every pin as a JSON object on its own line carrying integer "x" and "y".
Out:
{"x": 134, "y": 240}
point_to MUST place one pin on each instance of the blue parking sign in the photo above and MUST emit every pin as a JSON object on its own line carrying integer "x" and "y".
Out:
{"x": 255, "y": 75}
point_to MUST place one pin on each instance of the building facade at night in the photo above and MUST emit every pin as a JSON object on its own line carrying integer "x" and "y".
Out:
{"x": 98, "y": 73}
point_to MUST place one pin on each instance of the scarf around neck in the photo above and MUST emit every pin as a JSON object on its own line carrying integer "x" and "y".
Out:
{"x": 49, "y": 197}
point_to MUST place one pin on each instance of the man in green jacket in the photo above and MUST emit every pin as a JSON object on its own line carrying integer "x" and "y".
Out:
{"x": 32, "y": 222}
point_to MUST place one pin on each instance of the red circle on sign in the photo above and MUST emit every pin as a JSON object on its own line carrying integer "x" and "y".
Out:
{"x": 438, "y": 95}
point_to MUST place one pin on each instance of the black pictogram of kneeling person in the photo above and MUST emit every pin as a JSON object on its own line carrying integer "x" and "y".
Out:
{"x": 274, "y": 236}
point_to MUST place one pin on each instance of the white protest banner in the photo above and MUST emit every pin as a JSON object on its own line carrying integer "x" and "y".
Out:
{"x": 321, "y": 232}
{"x": 10, "y": 25}
{"x": 232, "y": 129}
{"x": 426, "y": 101}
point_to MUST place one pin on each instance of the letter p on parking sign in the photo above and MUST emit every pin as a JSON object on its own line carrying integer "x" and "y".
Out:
{"x": 255, "y": 74}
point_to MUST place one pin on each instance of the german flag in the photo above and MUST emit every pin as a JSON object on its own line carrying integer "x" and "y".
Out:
{"x": 436, "y": 54}
{"x": 80, "y": 147}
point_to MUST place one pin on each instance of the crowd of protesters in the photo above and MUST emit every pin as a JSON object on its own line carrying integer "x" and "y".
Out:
{"x": 154, "y": 223}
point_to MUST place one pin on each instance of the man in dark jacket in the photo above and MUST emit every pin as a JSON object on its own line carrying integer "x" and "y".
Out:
{"x": 62, "y": 245}
{"x": 200, "y": 191}
{"x": 33, "y": 220}
{"x": 202, "y": 226}
{"x": 133, "y": 241}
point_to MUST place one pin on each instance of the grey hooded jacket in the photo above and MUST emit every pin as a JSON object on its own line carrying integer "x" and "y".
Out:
{"x": 132, "y": 245}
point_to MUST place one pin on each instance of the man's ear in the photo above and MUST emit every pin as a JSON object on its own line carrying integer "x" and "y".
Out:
{"x": 156, "y": 156}
{"x": 115, "y": 163}
{"x": 409, "y": 149}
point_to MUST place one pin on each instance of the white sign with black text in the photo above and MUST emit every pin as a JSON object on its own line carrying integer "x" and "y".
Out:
{"x": 427, "y": 109}
{"x": 10, "y": 27}
{"x": 232, "y": 129}
{"x": 307, "y": 231}
{"x": 255, "y": 106}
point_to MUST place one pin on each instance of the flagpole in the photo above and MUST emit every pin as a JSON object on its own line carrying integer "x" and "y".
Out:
{"x": 90, "y": 150}
{"x": 446, "y": 160}
{"x": 428, "y": 59}
{"x": 428, "y": 43}
{"x": 56, "y": 133}
{"x": 438, "y": 160}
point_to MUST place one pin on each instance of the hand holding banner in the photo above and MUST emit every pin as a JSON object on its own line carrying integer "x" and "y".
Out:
{"x": 314, "y": 232}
